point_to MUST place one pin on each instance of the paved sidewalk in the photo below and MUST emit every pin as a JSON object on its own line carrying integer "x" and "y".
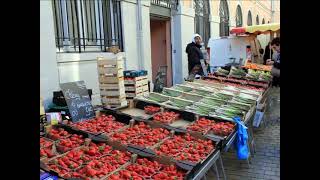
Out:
{"x": 266, "y": 161}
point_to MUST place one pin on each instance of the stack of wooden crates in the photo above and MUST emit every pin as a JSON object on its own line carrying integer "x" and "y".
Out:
{"x": 111, "y": 80}
{"x": 136, "y": 86}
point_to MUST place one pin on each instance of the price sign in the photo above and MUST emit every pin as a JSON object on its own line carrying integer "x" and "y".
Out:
{"x": 78, "y": 100}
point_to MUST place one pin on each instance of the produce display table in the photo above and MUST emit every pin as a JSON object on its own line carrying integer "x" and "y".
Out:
{"x": 182, "y": 102}
{"x": 201, "y": 173}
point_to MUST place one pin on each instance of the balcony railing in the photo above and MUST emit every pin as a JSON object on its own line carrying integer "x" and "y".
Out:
{"x": 171, "y": 4}
{"x": 87, "y": 25}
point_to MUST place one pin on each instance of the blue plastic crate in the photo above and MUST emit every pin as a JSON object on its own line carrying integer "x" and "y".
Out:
{"x": 143, "y": 73}
{"x": 131, "y": 73}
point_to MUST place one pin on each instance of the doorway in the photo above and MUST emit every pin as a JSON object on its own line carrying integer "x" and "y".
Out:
{"x": 161, "y": 48}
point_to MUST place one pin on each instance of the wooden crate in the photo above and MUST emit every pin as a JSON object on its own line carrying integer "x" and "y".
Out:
{"x": 113, "y": 100}
{"x": 113, "y": 105}
{"x": 112, "y": 86}
{"x": 113, "y": 61}
{"x": 135, "y": 94}
{"x": 107, "y": 92}
{"x": 110, "y": 79}
{"x": 137, "y": 89}
{"x": 137, "y": 81}
{"x": 107, "y": 70}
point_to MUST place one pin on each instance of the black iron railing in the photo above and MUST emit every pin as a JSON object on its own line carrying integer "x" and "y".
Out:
{"x": 172, "y": 4}
{"x": 87, "y": 25}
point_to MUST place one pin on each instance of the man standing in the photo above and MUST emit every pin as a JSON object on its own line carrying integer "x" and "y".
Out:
{"x": 275, "y": 44}
{"x": 194, "y": 55}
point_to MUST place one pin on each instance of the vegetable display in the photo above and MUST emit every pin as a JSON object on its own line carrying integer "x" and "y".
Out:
{"x": 171, "y": 92}
{"x": 238, "y": 72}
{"x": 221, "y": 71}
{"x": 179, "y": 103}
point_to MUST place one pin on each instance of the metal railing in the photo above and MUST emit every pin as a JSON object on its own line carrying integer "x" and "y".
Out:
{"x": 171, "y": 4}
{"x": 87, "y": 25}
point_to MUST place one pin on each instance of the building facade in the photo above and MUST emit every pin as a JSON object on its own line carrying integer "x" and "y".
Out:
{"x": 151, "y": 33}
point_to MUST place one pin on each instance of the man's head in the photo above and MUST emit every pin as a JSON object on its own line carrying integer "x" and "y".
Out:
{"x": 197, "y": 39}
{"x": 275, "y": 44}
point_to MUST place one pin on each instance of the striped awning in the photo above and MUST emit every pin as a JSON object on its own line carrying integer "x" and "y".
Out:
{"x": 256, "y": 29}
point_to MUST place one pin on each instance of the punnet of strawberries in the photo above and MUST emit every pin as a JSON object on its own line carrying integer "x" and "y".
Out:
{"x": 166, "y": 117}
{"x": 148, "y": 169}
{"x": 67, "y": 144}
{"x": 102, "y": 124}
{"x": 45, "y": 143}
{"x": 186, "y": 148}
{"x": 204, "y": 125}
{"x": 59, "y": 133}
{"x": 104, "y": 165}
{"x": 47, "y": 152}
{"x": 151, "y": 109}
{"x": 141, "y": 134}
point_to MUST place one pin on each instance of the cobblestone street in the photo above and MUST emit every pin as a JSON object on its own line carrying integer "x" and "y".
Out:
{"x": 266, "y": 161}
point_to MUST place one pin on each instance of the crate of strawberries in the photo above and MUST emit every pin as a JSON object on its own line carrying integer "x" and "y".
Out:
{"x": 142, "y": 168}
{"x": 47, "y": 149}
{"x": 166, "y": 117}
{"x": 210, "y": 126}
{"x": 151, "y": 109}
{"x": 140, "y": 136}
{"x": 187, "y": 149}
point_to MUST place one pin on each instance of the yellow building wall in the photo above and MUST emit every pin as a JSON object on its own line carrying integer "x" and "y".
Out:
{"x": 261, "y": 8}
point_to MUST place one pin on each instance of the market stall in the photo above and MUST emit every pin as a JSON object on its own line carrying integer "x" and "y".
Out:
{"x": 255, "y": 30}
{"x": 180, "y": 132}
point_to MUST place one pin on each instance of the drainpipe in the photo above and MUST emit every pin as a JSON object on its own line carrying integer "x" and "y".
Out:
{"x": 140, "y": 36}
{"x": 272, "y": 11}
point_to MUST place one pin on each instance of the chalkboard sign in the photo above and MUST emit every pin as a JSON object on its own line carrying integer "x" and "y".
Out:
{"x": 78, "y": 100}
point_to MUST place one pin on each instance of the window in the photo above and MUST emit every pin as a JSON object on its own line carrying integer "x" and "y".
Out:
{"x": 249, "y": 20}
{"x": 224, "y": 18}
{"x": 201, "y": 20}
{"x": 263, "y": 22}
{"x": 87, "y": 26}
{"x": 239, "y": 17}
{"x": 257, "y": 20}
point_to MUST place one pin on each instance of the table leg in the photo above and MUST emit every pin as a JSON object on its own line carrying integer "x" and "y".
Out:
{"x": 216, "y": 170}
{"x": 222, "y": 168}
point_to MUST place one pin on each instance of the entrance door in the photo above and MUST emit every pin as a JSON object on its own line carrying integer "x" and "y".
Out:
{"x": 161, "y": 48}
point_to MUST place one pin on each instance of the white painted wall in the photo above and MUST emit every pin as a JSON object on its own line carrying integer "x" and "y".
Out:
{"x": 129, "y": 21}
{"x": 81, "y": 66}
{"x": 183, "y": 30}
{"x": 131, "y": 46}
{"x": 67, "y": 67}
{"x": 48, "y": 65}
